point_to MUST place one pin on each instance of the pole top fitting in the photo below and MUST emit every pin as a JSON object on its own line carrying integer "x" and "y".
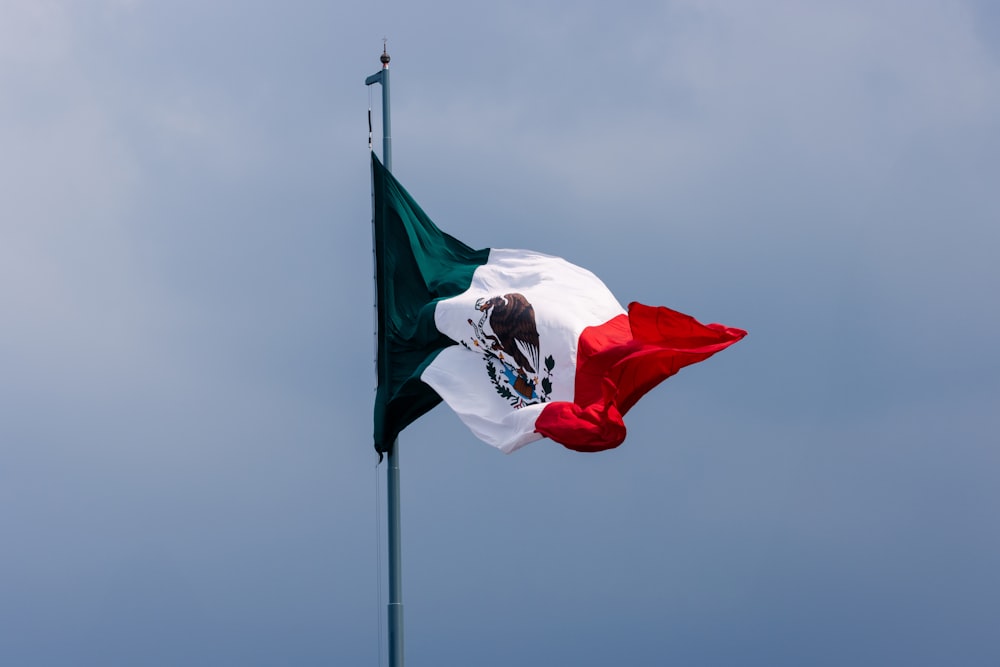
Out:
{"x": 384, "y": 57}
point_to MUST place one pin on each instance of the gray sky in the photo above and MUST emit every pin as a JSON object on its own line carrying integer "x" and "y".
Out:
{"x": 186, "y": 376}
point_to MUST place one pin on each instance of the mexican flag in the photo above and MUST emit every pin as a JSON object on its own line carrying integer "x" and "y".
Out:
{"x": 521, "y": 345}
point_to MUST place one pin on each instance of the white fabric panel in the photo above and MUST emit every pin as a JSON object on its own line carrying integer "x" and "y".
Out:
{"x": 566, "y": 299}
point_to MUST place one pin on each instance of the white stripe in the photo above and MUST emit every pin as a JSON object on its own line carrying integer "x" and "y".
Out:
{"x": 565, "y": 298}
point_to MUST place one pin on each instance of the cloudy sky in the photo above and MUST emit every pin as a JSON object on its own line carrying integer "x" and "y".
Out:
{"x": 186, "y": 365}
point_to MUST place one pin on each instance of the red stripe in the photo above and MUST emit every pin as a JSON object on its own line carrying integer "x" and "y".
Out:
{"x": 618, "y": 362}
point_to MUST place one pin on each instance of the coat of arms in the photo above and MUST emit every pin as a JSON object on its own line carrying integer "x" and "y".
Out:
{"x": 508, "y": 338}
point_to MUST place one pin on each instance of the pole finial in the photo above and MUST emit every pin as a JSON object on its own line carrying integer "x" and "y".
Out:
{"x": 385, "y": 56}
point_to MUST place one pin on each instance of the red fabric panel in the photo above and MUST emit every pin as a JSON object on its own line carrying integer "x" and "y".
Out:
{"x": 618, "y": 362}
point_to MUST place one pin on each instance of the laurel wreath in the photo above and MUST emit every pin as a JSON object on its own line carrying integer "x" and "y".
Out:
{"x": 503, "y": 389}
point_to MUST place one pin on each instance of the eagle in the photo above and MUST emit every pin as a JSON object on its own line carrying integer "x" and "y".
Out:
{"x": 512, "y": 320}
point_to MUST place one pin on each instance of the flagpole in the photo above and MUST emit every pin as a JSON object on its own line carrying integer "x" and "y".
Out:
{"x": 395, "y": 608}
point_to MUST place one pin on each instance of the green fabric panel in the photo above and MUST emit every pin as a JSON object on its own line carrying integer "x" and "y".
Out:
{"x": 416, "y": 265}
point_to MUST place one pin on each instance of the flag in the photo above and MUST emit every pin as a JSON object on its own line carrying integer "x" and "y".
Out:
{"x": 520, "y": 344}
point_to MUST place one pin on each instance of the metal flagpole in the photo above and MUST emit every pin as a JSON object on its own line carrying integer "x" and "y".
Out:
{"x": 392, "y": 471}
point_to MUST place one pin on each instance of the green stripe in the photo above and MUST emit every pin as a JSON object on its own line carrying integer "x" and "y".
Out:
{"x": 416, "y": 265}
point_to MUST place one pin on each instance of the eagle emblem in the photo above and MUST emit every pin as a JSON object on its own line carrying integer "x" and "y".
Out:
{"x": 506, "y": 334}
